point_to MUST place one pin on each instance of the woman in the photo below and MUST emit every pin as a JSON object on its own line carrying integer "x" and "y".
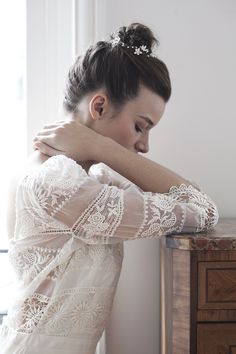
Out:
{"x": 72, "y": 217}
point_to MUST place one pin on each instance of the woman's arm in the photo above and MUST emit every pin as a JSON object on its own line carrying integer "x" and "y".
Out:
{"x": 82, "y": 144}
{"x": 100, "y": 213}
{"x": 147, "y": 174}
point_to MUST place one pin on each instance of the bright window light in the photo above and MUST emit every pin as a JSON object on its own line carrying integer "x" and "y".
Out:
{"x": 13, "y": 142}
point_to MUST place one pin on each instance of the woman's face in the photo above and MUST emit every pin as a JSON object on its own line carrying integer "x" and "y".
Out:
{"x": 129, "y": 127}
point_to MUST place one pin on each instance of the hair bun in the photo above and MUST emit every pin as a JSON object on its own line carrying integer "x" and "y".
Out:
{"x": 136, "y": 35}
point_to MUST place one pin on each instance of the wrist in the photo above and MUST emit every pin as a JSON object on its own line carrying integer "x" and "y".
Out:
{"x": 103, "y": 147}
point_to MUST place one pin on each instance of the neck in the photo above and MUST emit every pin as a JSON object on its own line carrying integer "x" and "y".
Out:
{"x": 86, "y": 165}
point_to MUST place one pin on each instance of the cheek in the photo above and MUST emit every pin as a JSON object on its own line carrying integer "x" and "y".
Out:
{"x": 124, "y": 136}
{"x": 120, "y": 130}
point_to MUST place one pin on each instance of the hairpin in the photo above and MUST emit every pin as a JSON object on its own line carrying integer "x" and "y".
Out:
{"x": 136, "y": 50}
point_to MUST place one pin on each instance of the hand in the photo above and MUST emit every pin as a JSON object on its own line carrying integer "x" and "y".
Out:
{"x": 69, "y": 138}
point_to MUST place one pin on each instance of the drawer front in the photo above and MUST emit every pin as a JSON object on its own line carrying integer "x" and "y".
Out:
{"x": 217, "y": 285}
{"x": 216, "y": 338}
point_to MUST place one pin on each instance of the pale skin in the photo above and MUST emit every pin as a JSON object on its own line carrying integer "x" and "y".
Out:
{"x": 98, "y": 133}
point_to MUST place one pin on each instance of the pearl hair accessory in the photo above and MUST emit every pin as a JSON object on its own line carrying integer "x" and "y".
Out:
{"x": 137, "y": 50}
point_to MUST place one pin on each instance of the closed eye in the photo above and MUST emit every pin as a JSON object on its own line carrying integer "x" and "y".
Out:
{"x": 138, "y": 129}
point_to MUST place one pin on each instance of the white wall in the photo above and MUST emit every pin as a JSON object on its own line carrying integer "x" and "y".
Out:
{"x": 196, "y": 135}
{"x": 195, "y": 138}
{"x": 50, "y": 52}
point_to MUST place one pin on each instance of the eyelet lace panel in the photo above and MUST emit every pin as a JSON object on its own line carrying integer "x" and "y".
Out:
{"x": 72, "y": 312}
{"x": 87, "y": 311}
{"x": 24, "y": 317}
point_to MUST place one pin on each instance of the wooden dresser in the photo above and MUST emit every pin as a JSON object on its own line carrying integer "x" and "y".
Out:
{"x": 198, "y": 280}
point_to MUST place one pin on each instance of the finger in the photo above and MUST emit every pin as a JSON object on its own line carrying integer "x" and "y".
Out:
{"x": 39, "y": 140}
{"x": 51, "y": 129}
{"x": 50, "y": 126}
{"x": 44, "y": 136}
{"x": 46, "y": 131}
{"x": 46, "y": 149}
{"x": 54, "y": 124}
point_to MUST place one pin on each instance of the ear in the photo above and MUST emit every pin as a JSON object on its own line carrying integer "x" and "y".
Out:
{"x": 98, "y": 105}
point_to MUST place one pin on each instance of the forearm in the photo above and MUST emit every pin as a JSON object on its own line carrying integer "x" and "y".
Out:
{"x": 83, "y": 144}
{"x": 148, "y": 175}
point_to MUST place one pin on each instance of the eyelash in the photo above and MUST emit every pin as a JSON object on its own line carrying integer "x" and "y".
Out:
{"x": 138, "y": 129}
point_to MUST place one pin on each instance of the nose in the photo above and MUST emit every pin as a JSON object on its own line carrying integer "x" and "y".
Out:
{"x": 143, "y": 145}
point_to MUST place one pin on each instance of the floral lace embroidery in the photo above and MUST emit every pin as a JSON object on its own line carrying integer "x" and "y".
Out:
{"x": 25, "y": 317}
{"x": 99, "y": 221}
{"x": 74, "y": 310}
{"x": 50, "y": 199}
{"x": 87, "y": 309}
{"x": 102, "y": 216}
{"x": 29, "y": 262}
{"x": 53, "y": 196}
{"x": 204, "y": 205}
{"x": 69, "y": 305}
{"x": 160, "y": 217}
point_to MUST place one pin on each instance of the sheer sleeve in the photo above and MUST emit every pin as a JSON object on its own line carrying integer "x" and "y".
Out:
{"x": 98, "y": 212}
{"x": 106, "y": 175}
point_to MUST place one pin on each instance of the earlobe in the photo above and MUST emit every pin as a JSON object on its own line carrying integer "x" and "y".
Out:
{"x": 97, "y": 106}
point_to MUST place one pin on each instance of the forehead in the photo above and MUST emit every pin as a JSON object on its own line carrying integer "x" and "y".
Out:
{"x": 148, "y": 103}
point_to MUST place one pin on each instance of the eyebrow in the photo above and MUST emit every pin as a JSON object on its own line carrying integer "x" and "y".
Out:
{"x": 148, "y": 120}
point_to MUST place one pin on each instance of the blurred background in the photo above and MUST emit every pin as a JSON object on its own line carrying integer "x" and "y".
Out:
{"x": 196, "y": 136}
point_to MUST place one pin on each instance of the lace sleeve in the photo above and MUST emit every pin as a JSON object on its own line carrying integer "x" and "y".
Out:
{"x": 103, "y": 213}
{"x": 106, "y": 175}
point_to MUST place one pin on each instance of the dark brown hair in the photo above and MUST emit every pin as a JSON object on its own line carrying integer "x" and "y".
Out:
{"x": 115, "y": 68}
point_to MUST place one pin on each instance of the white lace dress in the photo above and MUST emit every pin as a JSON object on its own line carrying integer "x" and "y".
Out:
{"x": 68, "y": 249}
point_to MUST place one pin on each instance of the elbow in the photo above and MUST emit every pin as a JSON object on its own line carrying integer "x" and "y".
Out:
{"x": 211, "y": 217}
